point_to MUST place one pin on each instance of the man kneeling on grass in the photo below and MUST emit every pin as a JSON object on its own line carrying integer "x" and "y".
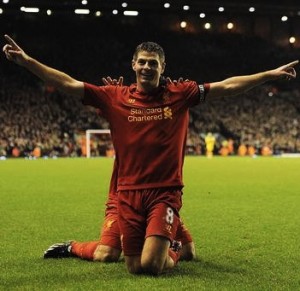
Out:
{"x": 148, "y": 123}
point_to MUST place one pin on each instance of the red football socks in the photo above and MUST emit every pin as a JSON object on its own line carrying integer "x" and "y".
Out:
{"x": 84, "y": 250}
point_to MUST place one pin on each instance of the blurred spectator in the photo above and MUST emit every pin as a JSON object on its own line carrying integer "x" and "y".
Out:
{"x": 224, "y": 151}
{"x": 266, "y": 151}
{"x": 242, "y": 150}
{"x": 251, "y": 151}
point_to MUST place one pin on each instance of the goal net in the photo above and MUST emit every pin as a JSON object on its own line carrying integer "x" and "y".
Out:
{"x": 99, "y": 143}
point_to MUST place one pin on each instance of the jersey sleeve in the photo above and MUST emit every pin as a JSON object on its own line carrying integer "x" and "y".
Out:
{"x": 96, "y": 96}
{"x": 195, "y": 93}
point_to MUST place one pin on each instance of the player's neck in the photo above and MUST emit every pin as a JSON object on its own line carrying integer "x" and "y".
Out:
{"x": 146, "y": 89}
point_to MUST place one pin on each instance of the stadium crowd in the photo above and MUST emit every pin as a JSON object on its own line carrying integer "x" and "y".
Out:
{"x": 36, "y": 120}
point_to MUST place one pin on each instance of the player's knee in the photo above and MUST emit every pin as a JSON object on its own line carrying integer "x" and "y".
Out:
{"x": 188, "y": 256}
{"x": 134, "y": 270}
{"x": 133, "y": 265}
{"x": 188, "y": 252}
{"x": 152, "y": 266}
{"x": 106, "y": 255}
{"x": 154, "y": 257}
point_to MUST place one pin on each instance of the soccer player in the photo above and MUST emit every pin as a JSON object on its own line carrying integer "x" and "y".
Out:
{"x": 108, "y": 248}
{"x": 148, "y": 124}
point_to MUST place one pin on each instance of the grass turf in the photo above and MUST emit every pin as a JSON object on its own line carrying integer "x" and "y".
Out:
{"x": 243, "y": 214}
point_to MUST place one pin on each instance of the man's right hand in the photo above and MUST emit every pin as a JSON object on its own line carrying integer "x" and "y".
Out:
{"x": 13, "y": 52}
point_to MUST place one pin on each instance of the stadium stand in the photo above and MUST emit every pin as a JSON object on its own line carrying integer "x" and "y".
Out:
{"x": 34, "y": 116}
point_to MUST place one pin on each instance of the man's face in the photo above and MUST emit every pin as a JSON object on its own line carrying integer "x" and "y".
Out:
{"x": 148, "y": 68}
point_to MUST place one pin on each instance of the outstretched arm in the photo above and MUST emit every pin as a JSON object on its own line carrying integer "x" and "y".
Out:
{"x": 236, "y": 85}
{"x": 51, "y": 76}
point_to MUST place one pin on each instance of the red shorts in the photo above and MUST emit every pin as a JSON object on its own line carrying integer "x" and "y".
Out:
{"x": 110, "y": 234}
{"x": 183, "y": 234}
{"x": 111, "y": 204}
{"x": 148, "y": 212}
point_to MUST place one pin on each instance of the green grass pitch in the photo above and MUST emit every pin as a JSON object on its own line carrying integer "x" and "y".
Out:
{"x": 243, "y": 213}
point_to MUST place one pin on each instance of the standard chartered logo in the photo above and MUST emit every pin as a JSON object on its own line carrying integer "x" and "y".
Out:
{"x": 150, "y": 114}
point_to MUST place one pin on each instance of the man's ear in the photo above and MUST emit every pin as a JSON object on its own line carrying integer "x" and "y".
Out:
{"x": 133, "y": 62}
{"x": 163, "y": 66}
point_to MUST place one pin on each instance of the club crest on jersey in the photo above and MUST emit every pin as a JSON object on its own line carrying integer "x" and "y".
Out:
{"x": 168, "y": 113}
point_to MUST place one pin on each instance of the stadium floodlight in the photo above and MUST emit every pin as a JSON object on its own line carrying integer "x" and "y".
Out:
{"x": 230, "y": 25}
{"x": 1, "y": 10}
{"x": 88, "y": 134}
{"x": 183, "y": 24}
{"x": 292, "y": 39}
{"x": 82, "y": 11}
{"x": 207, "y": 25}
{"x": 30, "y": 9}
{"x": 131, "y": 13}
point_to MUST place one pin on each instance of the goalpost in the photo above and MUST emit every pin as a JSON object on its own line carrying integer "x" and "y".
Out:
{"x": 88, "y": 134}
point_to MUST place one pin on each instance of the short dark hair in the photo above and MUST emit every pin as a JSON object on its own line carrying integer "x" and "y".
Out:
{"x": 150, "y": 47}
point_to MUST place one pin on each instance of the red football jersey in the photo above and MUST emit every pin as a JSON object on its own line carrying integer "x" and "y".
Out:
{"x": 148, "y": 130}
